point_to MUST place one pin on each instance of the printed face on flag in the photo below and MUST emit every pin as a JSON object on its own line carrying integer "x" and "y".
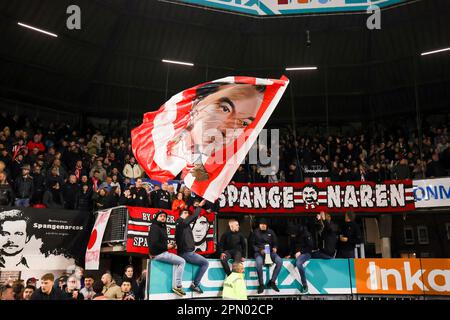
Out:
{"x": 224, "y": 113}
{"x": 206, "y": 131}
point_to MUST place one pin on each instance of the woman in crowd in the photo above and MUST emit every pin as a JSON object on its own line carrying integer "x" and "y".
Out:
{"x": 179, "y": 204}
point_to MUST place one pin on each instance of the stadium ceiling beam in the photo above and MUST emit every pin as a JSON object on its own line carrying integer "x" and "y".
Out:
{"x": 97, "y": 47}
{"x": 162, "y": 90}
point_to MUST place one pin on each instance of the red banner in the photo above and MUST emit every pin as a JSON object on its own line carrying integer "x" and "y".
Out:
{"x": 139, "y": 221}
{"x": 358, "y": 196}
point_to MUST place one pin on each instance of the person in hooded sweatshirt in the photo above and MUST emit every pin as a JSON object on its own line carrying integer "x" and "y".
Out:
{"x": 158, "y": 246}
{"x": 232, "y": 245}
{"x": 186, "y": 244}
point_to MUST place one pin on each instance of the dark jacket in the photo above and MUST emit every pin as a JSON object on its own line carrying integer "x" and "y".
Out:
{"x": 162, "y": 199}
{"x": 53, "y": 199}
{"x": 24, "y": 187}
{"x": 70, "y": 192}
{"x": 351, "y": 231}
{"x": 329, "y": 238}
{"x": 315, "y": 227}
{"x": 6, "y": 195}
{"x": 55, "y": 294}
{"x": 69, "y": 295}
{"x": 301, "y": 240}
{"x": 157, "y": 238}
{"x": 135, "y": 288}
{"x": 39, "y": 181}
{"x": 52, "y": 180}
{"x": 139, "y": 198}
{"x": 124, "y": 201}
{"x": 232, "y": 241}
{"x": 214, "y": 206}
{"x": 104, "y": 202}
{"x": 183, "y": 233}
{"x": 293, "y": 175}
{"x": 435, "y": 169}
{"x": 260, "y": 238}
{"x": 84, "y": 200}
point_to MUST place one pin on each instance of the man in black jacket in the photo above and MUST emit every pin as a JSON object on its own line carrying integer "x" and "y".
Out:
{"x": 162, "y": 198}
{"x": 232, "y": 245}
{"x": 47, "y": 290}
{"x": 261, "y": 237}
{"x": 24, "y": 187}
{"x": 84, "y": 200}
{"x": 328, "y": 236}
{"x": 186, "y": 244}
{"x": 38, "y": 183}
{"x": 139, "y": 196}
{"x": 300, "y": 247}
{"x": 70, "y": 193}
{"x": 350, "y": 236}
{"x": 158, "y": 246}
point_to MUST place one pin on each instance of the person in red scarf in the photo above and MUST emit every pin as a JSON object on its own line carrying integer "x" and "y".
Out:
{"x": 79, "y": 171}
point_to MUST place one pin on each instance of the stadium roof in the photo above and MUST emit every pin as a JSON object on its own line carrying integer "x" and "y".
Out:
{"x": 113, "y": 64}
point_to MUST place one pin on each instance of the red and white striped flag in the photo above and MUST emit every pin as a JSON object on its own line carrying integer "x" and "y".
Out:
{"x": 206, "y": 131}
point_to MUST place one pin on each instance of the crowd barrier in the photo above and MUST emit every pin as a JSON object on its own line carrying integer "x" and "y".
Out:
{"x": 372, "y": 277}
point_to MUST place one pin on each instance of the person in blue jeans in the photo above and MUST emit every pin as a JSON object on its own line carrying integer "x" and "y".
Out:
{"x": 260, "y": 237}
{"x": 158, "y": 246}
{"x": 186, "y": 244}
{"x": 301, "y": 246}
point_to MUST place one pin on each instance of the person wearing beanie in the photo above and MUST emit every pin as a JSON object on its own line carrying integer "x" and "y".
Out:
{"x": 158, "y": 246}
{"x": 261, "y": 237}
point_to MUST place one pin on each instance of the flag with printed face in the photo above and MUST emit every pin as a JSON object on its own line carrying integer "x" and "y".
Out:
{"x": 206, "y": 131}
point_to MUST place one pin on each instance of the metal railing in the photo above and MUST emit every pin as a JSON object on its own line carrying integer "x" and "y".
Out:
{"x": 116, "y": 229}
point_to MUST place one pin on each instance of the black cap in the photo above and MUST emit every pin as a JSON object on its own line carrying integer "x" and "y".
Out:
{"x": 160, "y": 212}
{"x": 263, "y": 221}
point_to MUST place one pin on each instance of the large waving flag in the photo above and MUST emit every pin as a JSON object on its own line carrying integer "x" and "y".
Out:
{"x": 206, "y": 131}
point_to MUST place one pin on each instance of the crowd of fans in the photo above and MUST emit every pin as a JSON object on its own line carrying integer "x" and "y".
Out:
{"x": 76, "y": 286}
{"x": 370, "y": 155}
{"x": 56, "y": 166}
